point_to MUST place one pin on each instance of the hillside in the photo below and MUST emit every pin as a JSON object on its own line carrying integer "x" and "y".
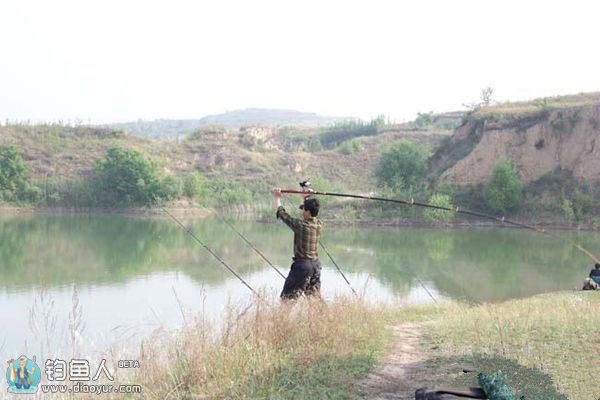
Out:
{"x": 173, "y": 128}
{"x": 541, "y": 137}
{"x": 553, "y": 144}
{"x": 258, "y": 157}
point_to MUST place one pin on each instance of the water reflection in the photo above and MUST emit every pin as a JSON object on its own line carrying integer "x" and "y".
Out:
{"x": 134, "y": 274}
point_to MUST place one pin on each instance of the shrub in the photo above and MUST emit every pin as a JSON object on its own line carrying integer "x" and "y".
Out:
{"x": 126, "y": 178}
{"x": 227, "y": 193}
{"x": 567, "y": 209}
{"x": 32, "y": 194}
{"x": 403, "y": 166}
{"x": 440, "y": 200}
{"x": 314, "y": 145}
{"x": 322, "y": 184}
{"x": 196, "y": 186}
{"x": 504, "y": 190}
{"x": 170, "y": 187}
{"x": 424, "y": 120}
{"x": 13, "y": 171}
{"x": 583, "y": 204}
{"x": 76, "y": 193}
{"x": 350, "y": 147}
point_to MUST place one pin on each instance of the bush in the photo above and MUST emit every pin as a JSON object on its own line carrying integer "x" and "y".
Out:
{"x": 350, "y": 147}
{"x": 170, "y": 187}
{"x": 76, "y": 193}
{"x": 227, "y": 193}
{"x": 424, "y": 120}
{"x": 13, "y": 171}
{"x": 440, "y": 200}
{"x": 125, "y": 178}
{"x": 583, "y": 204}
{"x": 314, "y": 145}
{"x": 402, "y": 167}
{"x": 196, "y": 186}
{"x": 504, "y": 190}
{"x": 322, "y": 184}
{"x": 32, "y": 194}
{"x": 567, "y": 210}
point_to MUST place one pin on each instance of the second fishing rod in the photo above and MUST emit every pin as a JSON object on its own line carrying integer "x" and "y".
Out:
{"x": 307, "y": 191}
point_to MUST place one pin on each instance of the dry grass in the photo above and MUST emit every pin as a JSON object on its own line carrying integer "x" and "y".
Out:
{"x": 268, "y": 349}
{"x": 521, "y": 108}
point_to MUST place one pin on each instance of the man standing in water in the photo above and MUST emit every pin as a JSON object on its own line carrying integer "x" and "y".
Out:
{"x": 305, "y": 273}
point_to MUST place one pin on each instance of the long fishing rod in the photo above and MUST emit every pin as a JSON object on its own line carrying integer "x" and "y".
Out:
{"x": 457, "y": 210}
{"x": 306, "y": 192}
{"x": 215, "y": 255}
{"x": 252, "y": 246}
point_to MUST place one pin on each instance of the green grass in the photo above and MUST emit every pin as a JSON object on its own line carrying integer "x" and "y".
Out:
{"x": 556, "y": 334}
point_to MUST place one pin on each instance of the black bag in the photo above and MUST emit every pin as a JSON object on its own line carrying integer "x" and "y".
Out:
{"x": 447, "y": 394}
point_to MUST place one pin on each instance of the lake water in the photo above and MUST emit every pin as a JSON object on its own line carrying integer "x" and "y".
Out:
{"x": 108, "y": 279}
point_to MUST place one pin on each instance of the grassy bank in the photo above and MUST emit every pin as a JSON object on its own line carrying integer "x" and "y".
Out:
{"x": 546, "y": 346}
{"x": 554, "y": 334}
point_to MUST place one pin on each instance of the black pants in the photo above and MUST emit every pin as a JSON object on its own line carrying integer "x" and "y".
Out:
{"x": 304, "y": 278}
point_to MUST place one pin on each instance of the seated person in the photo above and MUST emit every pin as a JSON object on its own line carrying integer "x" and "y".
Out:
{"x": 595, "y": 274}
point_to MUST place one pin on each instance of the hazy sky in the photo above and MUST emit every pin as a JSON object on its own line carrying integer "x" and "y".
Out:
{"x": 115, "y": 60}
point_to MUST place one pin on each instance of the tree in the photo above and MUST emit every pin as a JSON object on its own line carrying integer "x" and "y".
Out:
{"x": 402, "y": 167}
{"x": 503, "y": 193}
{"x": 13, "y": 171}
{"x": 486, "y": 99}
{"x": 424, "y": 120}
{"x": 487, "y": 96}
{"x": 125, "y": 178}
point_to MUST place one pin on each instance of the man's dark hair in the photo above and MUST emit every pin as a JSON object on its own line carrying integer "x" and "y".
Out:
{"x": 311, "y": 205}
{"x": 597, "y": 265}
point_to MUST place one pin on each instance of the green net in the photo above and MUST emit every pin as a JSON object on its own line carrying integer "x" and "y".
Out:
{"x": 528, "y": 383}
{"x": 495, "y": 389}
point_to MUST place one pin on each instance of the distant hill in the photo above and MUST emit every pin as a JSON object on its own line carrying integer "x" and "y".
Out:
{"x": 172, "y": 128}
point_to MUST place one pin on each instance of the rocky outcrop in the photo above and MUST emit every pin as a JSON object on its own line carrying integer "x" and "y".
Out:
{"x": 538, "y": 143}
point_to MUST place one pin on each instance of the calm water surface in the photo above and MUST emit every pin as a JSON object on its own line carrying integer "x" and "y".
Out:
{"x": 129, "y": 276}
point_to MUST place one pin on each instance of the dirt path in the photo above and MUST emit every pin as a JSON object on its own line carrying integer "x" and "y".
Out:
{"x": 398, "y": 375}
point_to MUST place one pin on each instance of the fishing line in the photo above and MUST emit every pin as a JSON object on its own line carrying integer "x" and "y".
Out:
{"x": 338, "y": 268}
{"x": 215, "y": 255}
{"x": 251, "y": 245}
